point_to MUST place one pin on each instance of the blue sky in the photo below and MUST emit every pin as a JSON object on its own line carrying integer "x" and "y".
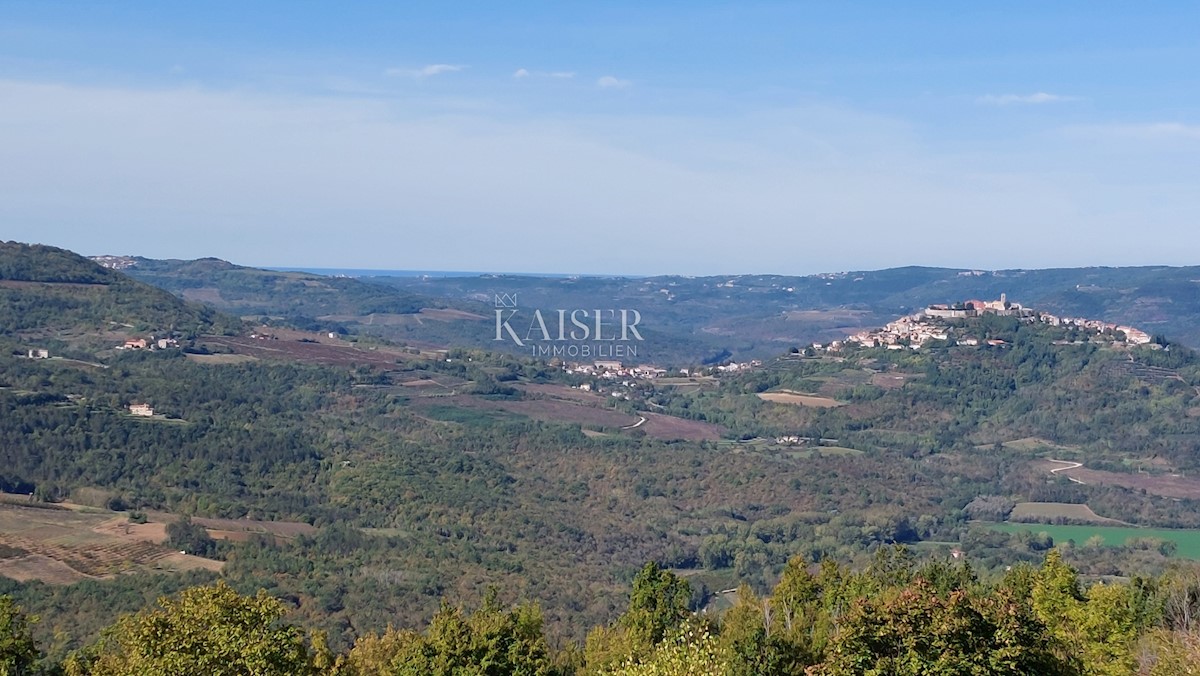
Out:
{"x": 638, "y": 138}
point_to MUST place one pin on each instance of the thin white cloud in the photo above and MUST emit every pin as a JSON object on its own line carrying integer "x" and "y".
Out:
{"x": 522, "y": 73}
{"x": 425, "y": 71}
{"x": 1024, "y": 99}
{"x": 611, "y": 82}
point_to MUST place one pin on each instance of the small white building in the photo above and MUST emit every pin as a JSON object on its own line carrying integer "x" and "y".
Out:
{"x": 39, "y": 354}
{"x": 145, "y": 410}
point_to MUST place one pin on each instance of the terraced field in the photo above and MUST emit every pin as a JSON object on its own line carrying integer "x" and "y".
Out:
{"x": 61, "y": 546}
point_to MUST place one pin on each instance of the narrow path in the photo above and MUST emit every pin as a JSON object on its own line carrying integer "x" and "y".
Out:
{"x": 1066, "y": 465}
{"x": 641, "y": 421}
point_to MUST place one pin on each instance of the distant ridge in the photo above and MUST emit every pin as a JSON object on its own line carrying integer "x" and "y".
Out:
{"x": 363, "y": 272}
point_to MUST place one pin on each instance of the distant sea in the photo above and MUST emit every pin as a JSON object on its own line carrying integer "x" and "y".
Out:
{"x": 361, "y": 272}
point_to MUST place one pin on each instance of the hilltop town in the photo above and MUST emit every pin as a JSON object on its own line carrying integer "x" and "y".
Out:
{"x": 943, "y": 324}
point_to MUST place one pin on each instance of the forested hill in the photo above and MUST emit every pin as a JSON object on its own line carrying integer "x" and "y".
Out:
{"x": 47, "y": 292}
{"x": 297, "y": 296}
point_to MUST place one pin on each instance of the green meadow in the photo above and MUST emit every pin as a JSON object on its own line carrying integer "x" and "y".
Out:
{"x": 1188, "y": 541}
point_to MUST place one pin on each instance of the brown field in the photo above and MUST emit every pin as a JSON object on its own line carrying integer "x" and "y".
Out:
{"x": 155, "y": 532}
{"x": 221, "y": 358}
{"x": 38, "y": 567}
{"x": 669, "y": 428}
{"x": 177, "y": 562}
{"x": 1166, "y": 485}
{"x": 797, "y": 399}
{"x": 891, "y": 381}
{"x": 67, "y": 545}
{"x": 1027, "y": 512}
{"x": 327, "y": 351}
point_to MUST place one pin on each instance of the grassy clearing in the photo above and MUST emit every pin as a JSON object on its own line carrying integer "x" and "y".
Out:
{"x": 1188, "y": 541}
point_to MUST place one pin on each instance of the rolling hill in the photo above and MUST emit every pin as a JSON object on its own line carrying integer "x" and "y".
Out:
{"x": 254, "y": 292}
{"x": 51, "y": 293}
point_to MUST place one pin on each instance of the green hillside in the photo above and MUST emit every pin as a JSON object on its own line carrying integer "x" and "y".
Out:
{"x": 51, "y": 293}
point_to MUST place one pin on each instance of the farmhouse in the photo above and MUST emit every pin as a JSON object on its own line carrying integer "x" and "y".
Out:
{"x": 144, "y": 410}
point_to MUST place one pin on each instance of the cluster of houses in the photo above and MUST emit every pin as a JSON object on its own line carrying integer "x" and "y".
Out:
{"x": 613, "y": 370}
{"x": 151, "y": 343}
{"x": 916, "y": 330}
{"x": 734, "y": 367}
{"x": 1132, "y": 336}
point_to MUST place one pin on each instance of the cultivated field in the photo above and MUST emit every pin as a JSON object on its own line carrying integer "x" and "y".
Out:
{"x": 669, "y": 428}
{"x": 1188, "y": 541}
{"x": 1043, "y": 512}
{"x": 797, "y": 399}
{"x": 61, "y": 546}
{"x": 1166, "y": 485}
{"x": 321, "y": 350}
